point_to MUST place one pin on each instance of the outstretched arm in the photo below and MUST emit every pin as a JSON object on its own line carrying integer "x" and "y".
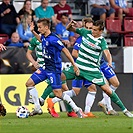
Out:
{"x": 35, "y": 34}
{"x": 71, "y": 25}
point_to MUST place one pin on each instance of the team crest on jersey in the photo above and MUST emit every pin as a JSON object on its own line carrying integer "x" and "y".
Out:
{"x": 38, "y": 71}
{"x": 46, "y": 43}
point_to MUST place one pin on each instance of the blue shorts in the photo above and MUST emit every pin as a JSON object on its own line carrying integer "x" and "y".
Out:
{"x": 79, "y": 83}
{"x": 108, "y": 72}
{"x": 99, "y": 11}
{"x": 40, "y": 75}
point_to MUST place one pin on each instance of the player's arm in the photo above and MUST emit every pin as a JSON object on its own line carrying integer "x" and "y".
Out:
{"x": 71, "y": 25}
{"x": 35, "y": 34}
{"x": 68, "y": 55}
{"x": 31, "y": 59}
{"x": 108, "y": 57}
{"x": 75, "y": 53}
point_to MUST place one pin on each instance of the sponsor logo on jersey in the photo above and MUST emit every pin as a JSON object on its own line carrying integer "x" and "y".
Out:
{"x": 97, "y": 80}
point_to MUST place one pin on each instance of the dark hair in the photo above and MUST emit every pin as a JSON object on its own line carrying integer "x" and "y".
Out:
{"x": 99, "y": 23}
{"x": 45, "y": 22}
{"x": 64, "y": 14}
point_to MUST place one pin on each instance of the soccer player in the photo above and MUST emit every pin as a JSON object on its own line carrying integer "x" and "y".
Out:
{"x": 37, "y": 46}
{"x": 52, "y": 48}
{"x": 92, "y": 47}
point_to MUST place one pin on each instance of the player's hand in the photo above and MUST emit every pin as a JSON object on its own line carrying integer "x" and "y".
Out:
{"x": 32, "y": 26}
{"x": 76, "y": 70}
{"x": 110, "y": 65}
{"x": 36, "y": 64}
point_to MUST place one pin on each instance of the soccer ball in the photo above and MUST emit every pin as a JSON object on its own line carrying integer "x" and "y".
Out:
{"x": 22, "y": 112}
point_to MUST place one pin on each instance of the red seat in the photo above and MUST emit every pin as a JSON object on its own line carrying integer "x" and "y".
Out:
{"x": 113, "y": 25}
{"x": 128, "y": 24}
{"x": 130, "y": 14}
{"x": 3, "y": 38}
{"x": 128, "y": 39}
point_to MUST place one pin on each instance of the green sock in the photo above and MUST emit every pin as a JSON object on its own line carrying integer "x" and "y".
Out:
{"x": 68, "y": 107}
{"x": 51, "y": 95}
{"x": 114, "y": 97}
{"x": 46, "y": 92}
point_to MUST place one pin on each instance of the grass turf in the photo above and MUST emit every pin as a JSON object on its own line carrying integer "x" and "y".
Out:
{"x": 46, "y": 124}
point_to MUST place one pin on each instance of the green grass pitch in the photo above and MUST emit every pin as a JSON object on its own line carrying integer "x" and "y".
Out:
{"x": 46, "y": 124}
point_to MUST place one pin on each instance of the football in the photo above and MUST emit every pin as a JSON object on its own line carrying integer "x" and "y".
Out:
{"x": 22, "y": 112}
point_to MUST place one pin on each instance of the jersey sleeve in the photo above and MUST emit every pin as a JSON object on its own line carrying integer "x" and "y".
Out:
{"x": 77, "y": 43}
{"x": 82, "y": 31}
{"x": 32, "y": 44}
{"x": 104, "y": 44}
{"x": 58, "y": 43}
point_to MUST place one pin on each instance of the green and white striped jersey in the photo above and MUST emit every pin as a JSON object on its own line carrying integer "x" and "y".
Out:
{"x": 37, "y": 46}
{"x": 90, "y": 54}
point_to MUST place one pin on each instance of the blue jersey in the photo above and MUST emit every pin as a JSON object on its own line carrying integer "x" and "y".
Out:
{"x": 77, "y": 43}
{"x": 52, "y": 47}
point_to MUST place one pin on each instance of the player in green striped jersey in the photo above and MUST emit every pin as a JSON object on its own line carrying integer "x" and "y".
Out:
{"x": 92, "y": 47}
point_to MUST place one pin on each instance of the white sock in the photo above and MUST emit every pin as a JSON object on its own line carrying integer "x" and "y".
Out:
{"x": 70, "y": 102}
{"x": 113, "y": 88}
{"x": 56, "y": 99}
{"x": 71, "y": 93}
{"x": 89, "y": 101}
{"x": 41, "y": 99}
{"x": 107, "y": 101}
{"x": 33, "y": 92}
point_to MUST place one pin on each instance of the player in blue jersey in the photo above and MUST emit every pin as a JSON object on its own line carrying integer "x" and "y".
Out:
{"x": 52, "y": 48}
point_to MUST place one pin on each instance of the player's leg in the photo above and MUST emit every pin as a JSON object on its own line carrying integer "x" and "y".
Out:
{"x": 37, "y": 77}
{"x": 105, "y": 103}
{"x": 114, "y": 97}
{"x": 56, "y": 85}
{"x": 89, "y": 98}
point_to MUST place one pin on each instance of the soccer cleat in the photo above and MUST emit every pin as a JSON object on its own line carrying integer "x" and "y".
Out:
{"x": 128, "y": 114}
{"x": 51, "y": 109}
{"x": 80, "y": 113}
{"x": 103, "y": 106}
{"x": 53, "y": 113}
{"x": 90, "y": 114}
{"x": 72, "y": 114}
{"x": 36, "y": 112}
{"x": 113, "y": 112}
{"x": 31, "y": 101}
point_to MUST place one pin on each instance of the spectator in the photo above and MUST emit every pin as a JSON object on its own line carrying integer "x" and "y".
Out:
{"x": 60, "y": 8}
{"x": 66, "y": 36}
{"x": 120, "y": 7}
{"x": 45, "y": 11}
{"x": 27, "y": 9}
{"x": 23, "y": 28}
{"x": 15, "y": 41}
{"x": 8, "y": 18}
{"x": 102, "y": 9}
